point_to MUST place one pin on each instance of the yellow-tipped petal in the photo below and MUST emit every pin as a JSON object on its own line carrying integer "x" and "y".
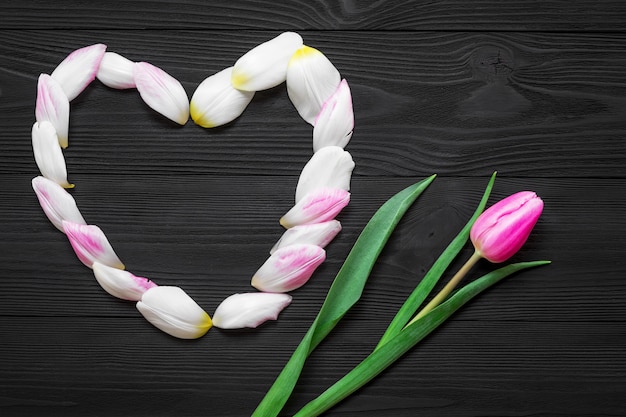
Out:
{"x": 171, "y": 310}
{"x": 265, "y": 66}
{"x": 48, "y": 153}
{"x": 216, "y": 102}
{"x": 311, "y": 80}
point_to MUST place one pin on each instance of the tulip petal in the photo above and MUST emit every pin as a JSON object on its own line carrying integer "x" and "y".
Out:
{"x": 91, "y": 245}
{"x": 171, "y": 310}
{"x": 330, "y": 167}
{"x": 319, "y": 234}
{"x": 53, "y": 106}
{"x": 162, "y": 92}
{"x": 79, "y": 69}
{"x": 311, "y": 80}
{"x": 216, "y": 102}
{"x": 335, "y": 122}
{"x": 48, "y": 154}
{"x": 502, "y": 229}
{"x": 265, "y": 66}
{"x": 249, "y": 309}
{"x": 288, "y": 268}
{"x": 116, "y": 71}
{"x": 121, "y": 284}
{"x": 318, "y": 206}
{"x": 57, "y": 204}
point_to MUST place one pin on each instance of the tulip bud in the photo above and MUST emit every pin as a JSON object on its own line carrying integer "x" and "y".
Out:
{"x": 121, "y": 284}
{"x": 57, "y": 204}
{"x": 79, "y": 69}
{"x": 171, "y": 310}
{"x": 288, "y": 268}
{"x": 249, "y": 309}
{"x": 502, "y": 229}
{"x": 162, "y": 92}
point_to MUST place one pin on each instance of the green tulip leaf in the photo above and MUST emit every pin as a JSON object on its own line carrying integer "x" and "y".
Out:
{"x": 400, "y": 343}
{"x": 345, "y": 291}
{"x": 419, "y": 294}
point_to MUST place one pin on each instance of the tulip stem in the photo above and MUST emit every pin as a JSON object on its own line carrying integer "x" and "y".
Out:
{"x": 438, "y": 299}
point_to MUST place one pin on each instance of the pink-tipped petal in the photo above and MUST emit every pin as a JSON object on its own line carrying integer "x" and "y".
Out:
{"x": 56, "y": 202}
{"x": 79, "y": 69}
{"x": 53, "y": 106}
{"x": 249, "y": 310}
{"x": 91, "y": 245}
{"x": 319, "y": 234}
{"x": 502, "y": 229}
{"x": 116, "y": 71}
{"x": 288, "y": 268}
{"x": 171, "y": 310}
{"x": 120, "y": 283}
{"x": 318, "y": 206}
{"x": 162, "y": 92}
{"x": 265, "y": 66}
{"x": 330, "y": 167}
{"x": 48, "y": 153}
{"x": 311, "y": 80}
{"x": 335, "y": 122}
{"x": 216, "y": 102}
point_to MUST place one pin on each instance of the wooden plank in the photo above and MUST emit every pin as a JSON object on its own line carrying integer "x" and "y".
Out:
{"x": 522, "y": 104}
{"x": 459, "y": 15}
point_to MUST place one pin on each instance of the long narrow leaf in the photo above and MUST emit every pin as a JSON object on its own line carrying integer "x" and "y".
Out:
{"x": 399, "y": 344}
{"x": 419, "y": 294}
{"x": 343, "y": 293}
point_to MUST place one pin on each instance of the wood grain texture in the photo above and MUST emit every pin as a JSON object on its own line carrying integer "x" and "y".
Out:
{"x": 533, "y": 90}
{"x": 508, "y": 102}
{"x": 505, "y": 15}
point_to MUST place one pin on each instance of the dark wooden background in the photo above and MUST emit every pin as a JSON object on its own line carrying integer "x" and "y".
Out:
{"x": 535, "y": 90}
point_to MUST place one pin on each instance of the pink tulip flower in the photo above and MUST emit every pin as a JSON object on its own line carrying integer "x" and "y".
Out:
{"x": 503, "y": 228}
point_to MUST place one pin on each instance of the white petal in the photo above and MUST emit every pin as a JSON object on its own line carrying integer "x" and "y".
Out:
{"x": 319, "y": 234}
{"x": 91, "y": 245}
{"x": 330, "y": 167}
{"x": 288, "y": 268}
{"x": 121, "y": 284}
{"x": 171, "y": 310}
{"x": 318, "y": 206}
{"x": 48, "y": 153}
{"x": 335, "y": 122}
{"x": 311, "y": 80}
{"x": 265, "y": 66}
{"x": 162, "y": 92}
{"x": 79, "y": 69}
{"x": 116, "y": 71}
{"x": 249, "y": 309}
{"x": 216, "y": 102}
{"x": 57, "y": 204}
{"x": 53, "y": 106}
